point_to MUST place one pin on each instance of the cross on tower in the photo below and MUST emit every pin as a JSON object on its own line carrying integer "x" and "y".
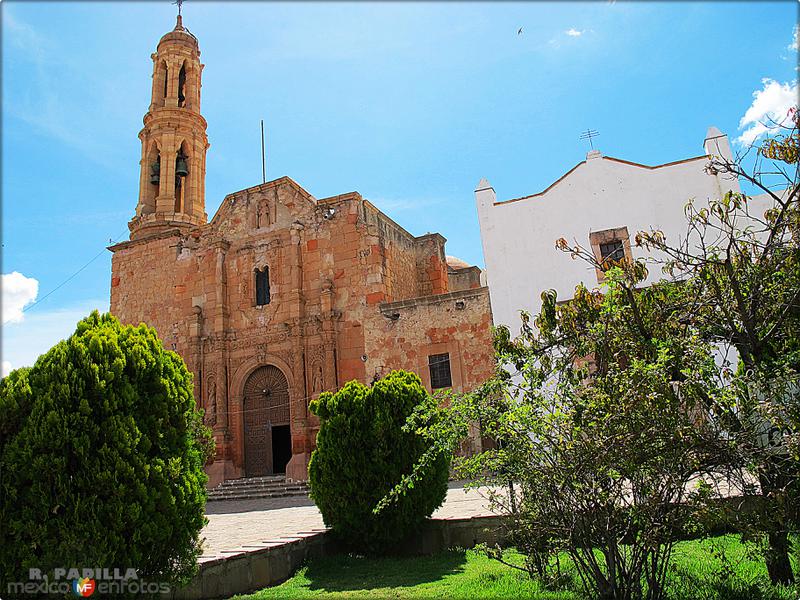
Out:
{"x": 179, "y": 3}
{"x": 588, "y": 135}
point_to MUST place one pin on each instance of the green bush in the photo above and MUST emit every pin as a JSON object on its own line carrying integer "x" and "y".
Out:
{"x": 101, "y": 461}
{"x": 362, "y": 452}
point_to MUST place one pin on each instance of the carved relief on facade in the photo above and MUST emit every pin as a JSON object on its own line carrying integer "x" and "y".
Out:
{"x": 211, "y": 401}
{"x": 312, "y": 326}
{"x": 315, "y": 361}
{"x": 243, "y": 343}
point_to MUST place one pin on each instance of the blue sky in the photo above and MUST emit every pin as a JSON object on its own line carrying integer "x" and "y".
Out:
{"x": 408, "y": 103}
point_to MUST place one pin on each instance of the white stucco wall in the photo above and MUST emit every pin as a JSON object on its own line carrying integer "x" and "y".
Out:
{"x": 518, "y": 236}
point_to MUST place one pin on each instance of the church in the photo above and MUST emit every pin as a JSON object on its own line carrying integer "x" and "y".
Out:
{"x": 281, "y": 295}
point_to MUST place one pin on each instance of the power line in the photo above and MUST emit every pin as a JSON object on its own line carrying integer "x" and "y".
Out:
{"x": 68, "y": 279}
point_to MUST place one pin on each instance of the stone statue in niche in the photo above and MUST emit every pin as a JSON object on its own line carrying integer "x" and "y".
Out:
{"x": 316, "y": 378}
{"x": 263, "y": 214}
{"x": 211, "y": 413}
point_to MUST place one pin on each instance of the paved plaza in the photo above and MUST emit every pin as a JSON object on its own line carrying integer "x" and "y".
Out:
{"x": 236, "y": 523}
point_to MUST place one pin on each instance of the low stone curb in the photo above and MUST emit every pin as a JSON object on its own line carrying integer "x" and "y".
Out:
{"x": 272, "y": 561}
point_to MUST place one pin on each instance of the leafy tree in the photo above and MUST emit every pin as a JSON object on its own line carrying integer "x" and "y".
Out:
{"x": 101, "y": 461}
{"x": 362, "y": 450}
{"x": 600, "y": 432}
{"x": 742, "y": 290}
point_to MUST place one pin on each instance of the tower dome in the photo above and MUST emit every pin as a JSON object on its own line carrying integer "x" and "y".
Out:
{"x": 180, "y": 35}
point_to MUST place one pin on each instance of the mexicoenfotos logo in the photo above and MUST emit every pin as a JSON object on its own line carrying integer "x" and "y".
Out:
{"x": 107, "y": 582}
{"x": 83, "y": 587}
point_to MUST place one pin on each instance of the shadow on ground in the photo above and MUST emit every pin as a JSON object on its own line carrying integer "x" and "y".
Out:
{"x": 351, "y": 573}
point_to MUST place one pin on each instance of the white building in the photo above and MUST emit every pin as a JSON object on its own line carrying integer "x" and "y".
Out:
{"x": 600, "y": 203}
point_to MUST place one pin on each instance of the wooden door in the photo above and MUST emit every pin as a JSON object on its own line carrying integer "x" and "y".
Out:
{"x": 266, "y": 404}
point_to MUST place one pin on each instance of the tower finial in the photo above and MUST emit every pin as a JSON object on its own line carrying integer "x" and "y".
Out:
{"x": 179, "y": 23}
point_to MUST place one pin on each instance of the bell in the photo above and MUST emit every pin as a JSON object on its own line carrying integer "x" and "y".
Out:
{"x": 181, "y": 169}
{"x": 155, "y": 171}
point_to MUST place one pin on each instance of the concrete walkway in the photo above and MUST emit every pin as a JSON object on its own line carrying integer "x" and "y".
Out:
{"x": 236, "y": 523}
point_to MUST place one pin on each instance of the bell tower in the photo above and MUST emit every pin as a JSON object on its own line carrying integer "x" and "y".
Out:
{"x": 174, "y": 141}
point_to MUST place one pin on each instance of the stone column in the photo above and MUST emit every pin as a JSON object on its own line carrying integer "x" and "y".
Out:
{"x": 173, "y": 70}
{"x": 297, "y": 469}
{"x": 329, "y": 318}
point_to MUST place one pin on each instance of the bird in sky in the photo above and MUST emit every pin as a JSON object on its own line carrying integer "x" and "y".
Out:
{"x": 519, "y": 31}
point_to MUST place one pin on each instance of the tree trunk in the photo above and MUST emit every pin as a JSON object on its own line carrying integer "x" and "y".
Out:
{"x": 778, "y": 565}
{"x": 777, "y": 556}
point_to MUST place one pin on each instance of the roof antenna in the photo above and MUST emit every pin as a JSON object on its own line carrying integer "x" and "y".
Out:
{"x": 588, "y": 135}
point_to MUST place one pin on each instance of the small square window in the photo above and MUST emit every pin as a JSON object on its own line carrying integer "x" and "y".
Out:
{"x": 610, "y": 247}
{"x": 439, "y": 366}
{"x": 611, "y": 253}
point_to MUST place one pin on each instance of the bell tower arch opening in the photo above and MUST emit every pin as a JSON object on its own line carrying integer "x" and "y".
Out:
{"x": 152, "y": 173}
{"x": 182, "y": 85}
{"x": 182, "y": 178}
{"x": 163, "y": 81}
{"x": 267, "y": 431}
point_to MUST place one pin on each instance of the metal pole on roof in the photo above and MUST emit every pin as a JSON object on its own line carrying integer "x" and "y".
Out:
{"x": 263, "y": 156}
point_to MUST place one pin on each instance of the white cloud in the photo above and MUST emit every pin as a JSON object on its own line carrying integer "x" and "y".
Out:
{"x": 24, "y": 342}
{"x": 795, "y": 35}
{"x": 18, "y": 292}
{"x": 6, "y": 368}
{"x": 572, "y": 32}
{"x": 770, "y": 107}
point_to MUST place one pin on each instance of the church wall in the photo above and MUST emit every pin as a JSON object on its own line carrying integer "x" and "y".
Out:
{"x": 149, "y": 282}
{"x": 599, "y": 194}
{"x": 397, "y": 250}
{"x": 467, "y": 278}
{"x": 431, "y": 265}
{"x": 403, "y": 334}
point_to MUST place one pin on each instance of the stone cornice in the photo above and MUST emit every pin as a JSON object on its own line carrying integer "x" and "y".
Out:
{"x": 387, "y": 308}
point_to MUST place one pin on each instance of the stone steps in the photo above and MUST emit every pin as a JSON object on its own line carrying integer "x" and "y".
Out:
{"x": 262, "y": 487}
{"x": 246, "y": 480}
{"x": 271, "y": 486}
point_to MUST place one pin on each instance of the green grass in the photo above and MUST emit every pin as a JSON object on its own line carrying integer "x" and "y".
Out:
{"x": 698, "y": 573}
{"x": 724, "y": 568}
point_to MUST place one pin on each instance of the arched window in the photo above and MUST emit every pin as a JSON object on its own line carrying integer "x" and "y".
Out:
{"x": 262, "y": 286}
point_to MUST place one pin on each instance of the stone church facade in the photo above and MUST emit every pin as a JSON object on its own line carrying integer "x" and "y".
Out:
{"x": 281, "y": 295}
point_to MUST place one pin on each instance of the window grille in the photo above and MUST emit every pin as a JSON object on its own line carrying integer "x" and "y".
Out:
{"x": 439, "y": 365}
{"x": 611, "y": 253}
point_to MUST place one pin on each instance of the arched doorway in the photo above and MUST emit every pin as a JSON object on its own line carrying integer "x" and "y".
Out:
{"x": 267, "y": 437}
